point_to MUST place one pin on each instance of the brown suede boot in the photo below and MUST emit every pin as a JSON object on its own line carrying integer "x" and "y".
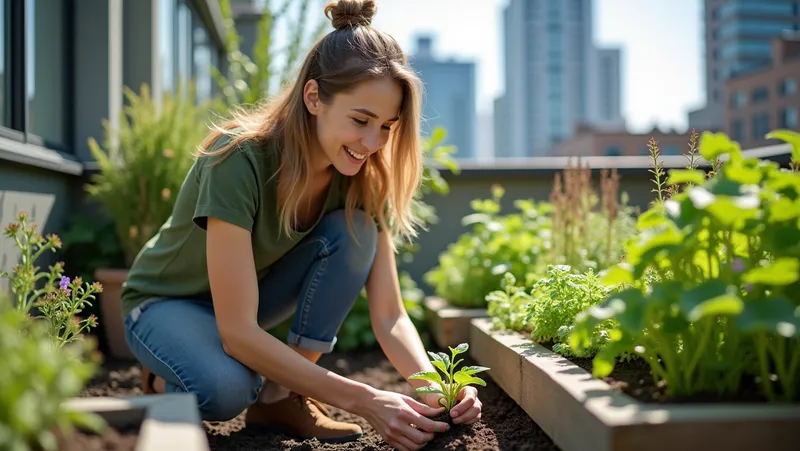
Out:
{"x": 148, "y": 379}
{"x": 300, "y": 417}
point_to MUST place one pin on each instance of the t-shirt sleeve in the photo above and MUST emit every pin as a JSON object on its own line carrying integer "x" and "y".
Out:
{"x": 227, "y": 190}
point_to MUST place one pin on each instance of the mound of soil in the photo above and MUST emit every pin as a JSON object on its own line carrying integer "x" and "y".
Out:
{"x": 504, "y": 425}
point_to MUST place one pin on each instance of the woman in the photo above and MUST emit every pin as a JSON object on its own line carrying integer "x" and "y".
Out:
{"x": 286, "y": 210}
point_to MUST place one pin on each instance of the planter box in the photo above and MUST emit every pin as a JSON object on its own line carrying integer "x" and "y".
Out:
{"x": 449, "y": 325}
{"x": 580, "y": 412}
{"x": 111, "y": 311}
{"x": 168, "y": 421}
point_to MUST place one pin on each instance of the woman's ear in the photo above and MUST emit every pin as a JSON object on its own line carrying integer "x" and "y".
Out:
{"x": 311, "y": 96}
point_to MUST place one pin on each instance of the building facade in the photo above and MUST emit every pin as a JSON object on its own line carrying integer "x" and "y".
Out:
{"x": 591, "y": 141}
{"x": 738, "y": 36}
{"x": 609, "y": 90}
{"x": 765, "y": 99}
{"x": 449, "y": 98}
{"x": 63, "y": 68}
{"x": 549, "y": 56}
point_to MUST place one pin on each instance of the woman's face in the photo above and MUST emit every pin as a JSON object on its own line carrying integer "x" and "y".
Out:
{"x": 355, "y": 124}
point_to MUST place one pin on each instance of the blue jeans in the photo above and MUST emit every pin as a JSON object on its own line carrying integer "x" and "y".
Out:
{"x": 320, "y": 279}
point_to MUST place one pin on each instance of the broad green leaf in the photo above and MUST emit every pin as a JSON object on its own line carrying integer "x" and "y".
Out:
{"x": 430, "y": 376}
{"x": 678, "y": 176}
{"x": 621, "y": 273}
{"x": 783, "y": 271}
{"x": 428, "y": 389}
{"x": 475, "y": 218}
{"x": 773, "y": 315}
{"x": 653, "y": 217}
{"x": 784, "y": 209}
{"x": 713, "y": 145}
{"x": 467, "y": 379}
{"x": 459, "y": 349}
{"x": 790, "y": 137}
{"x": 711, "y": 298}
{"x": 441, "y": 366}
{"x": 474, "y": 369}
{"x": 734, "y": 210}
{"x": 434, "y": 356}
{"x": 445, "y": 359}
{"x": 742, "y": 174}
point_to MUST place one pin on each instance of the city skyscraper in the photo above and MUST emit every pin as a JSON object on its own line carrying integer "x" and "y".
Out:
{"x": 550, "y": 76}
{"x": 449, "y": 98}
{"x": 738, "y": 39}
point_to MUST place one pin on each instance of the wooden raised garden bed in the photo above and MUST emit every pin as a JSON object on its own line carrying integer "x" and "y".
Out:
{"x": 164, "y": 421}
{"x": 580, "y": 412}
{"x": 448, "y": 324}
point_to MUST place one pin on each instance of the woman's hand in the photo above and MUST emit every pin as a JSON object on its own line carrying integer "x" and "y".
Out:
{"x": 468, "y": 408}
{"x": 392, "y": 416}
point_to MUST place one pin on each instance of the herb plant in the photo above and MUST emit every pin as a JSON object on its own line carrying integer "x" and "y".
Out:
{"x": 35, "y": 379}
{"x": 473, "y": 266}
{"x": 455, "y": 380}
{"x": 59, "y": 300}
{"x": 712, "y": 283}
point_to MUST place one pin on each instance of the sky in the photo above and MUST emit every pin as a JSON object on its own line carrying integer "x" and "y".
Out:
{"x": 662, "y": 66}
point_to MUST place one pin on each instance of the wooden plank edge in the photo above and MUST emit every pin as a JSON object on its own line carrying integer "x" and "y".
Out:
{"x": 444, "y": 309}
{"x": 165, "y": 419}
{"x": 549, "y": 386}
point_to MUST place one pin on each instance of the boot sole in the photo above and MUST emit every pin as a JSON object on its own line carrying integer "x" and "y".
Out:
{"x": 277, "y": 430}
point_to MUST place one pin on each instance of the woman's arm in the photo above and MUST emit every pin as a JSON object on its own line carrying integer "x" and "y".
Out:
{"x": 393, "y": 328}
{"x": 234, "y": 285}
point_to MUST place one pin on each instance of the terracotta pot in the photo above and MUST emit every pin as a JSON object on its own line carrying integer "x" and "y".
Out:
{"x": 111, "y": 310}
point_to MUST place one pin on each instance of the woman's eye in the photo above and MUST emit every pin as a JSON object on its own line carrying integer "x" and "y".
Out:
{"x": 359, "y": 121}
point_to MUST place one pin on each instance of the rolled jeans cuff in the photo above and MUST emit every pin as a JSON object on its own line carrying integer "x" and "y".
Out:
{"x": 311, "y": 344}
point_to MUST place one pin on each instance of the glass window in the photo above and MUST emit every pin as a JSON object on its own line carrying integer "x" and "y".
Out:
{"x": 46, "y": 70}
{"x": 613, "y": 151}
{"x": 789, "y": 118}
{"x": 5, "y": 55}
{"x": 760, "y": 94}
{"x": 788, "y": 86}
{"x": 184, "y": 42}
{"x": 166, "y": 49}
{"x": 737, "y": 130}
{"x": 760, "y": 125}
{"x": 202, "y": 62}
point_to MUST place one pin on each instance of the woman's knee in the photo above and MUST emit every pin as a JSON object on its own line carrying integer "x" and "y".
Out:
{"x": 357, "y": 241}
{"x": 225, "y": 392}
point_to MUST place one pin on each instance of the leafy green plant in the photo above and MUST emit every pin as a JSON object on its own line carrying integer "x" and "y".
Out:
{"x": 144, "y": 162}
{"x": 35, "y": 380}
{"x": 589, "y": 228}
{"x": 455, "y": 380}
{"x": 508, "y": 306}
{"x": 58, "y": 299}
{"x": 558, "y": 298}
{"x": 712, "y": 282}
{"x": 473, "y": 266}
{"x": 253, "y": 80}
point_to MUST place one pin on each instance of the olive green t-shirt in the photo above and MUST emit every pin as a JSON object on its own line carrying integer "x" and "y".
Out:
{"x": 242, "y": 190}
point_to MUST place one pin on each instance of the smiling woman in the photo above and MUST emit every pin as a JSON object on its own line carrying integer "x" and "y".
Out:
{"x": 286, "y": 210}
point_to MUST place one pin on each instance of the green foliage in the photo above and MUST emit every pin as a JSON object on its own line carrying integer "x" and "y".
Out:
{"x": 250, "y": 81}
{"x": 473, "y": 266}
{"x": 456, "y": 380}
{"x": 145, "y": 161}
{"x": 711, "y": 284}
{"x": 509, "y": 306}
{"x": 558, "y": 299}
{"x": 58, "y": 299}
{"x": 35, "y": 379}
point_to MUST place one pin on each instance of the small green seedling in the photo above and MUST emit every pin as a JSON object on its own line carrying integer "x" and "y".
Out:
{"x": 456, "y": 380}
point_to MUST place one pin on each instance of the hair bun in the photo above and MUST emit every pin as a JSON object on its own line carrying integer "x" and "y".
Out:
{"x": 350, "y": 13}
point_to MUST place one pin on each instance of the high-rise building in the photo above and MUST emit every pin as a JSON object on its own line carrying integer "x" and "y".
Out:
{"x": 449, "y": 99}
{"x": 609, "y": 91}
{"x": 738, "y": 35}
{"x": 550, "y": 64}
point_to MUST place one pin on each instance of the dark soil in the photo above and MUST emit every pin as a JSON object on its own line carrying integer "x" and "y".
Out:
{"x": 635, "y": 379}
{"x": 110, "y": 439}
{"x": 503, "y": 425}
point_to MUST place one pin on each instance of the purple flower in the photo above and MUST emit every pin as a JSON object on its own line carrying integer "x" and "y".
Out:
{"x": 64, "y": 285}
{"x": 738, "y": 265}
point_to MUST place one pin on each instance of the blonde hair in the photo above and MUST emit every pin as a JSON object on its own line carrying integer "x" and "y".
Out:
{"x": 354, "y": 52}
